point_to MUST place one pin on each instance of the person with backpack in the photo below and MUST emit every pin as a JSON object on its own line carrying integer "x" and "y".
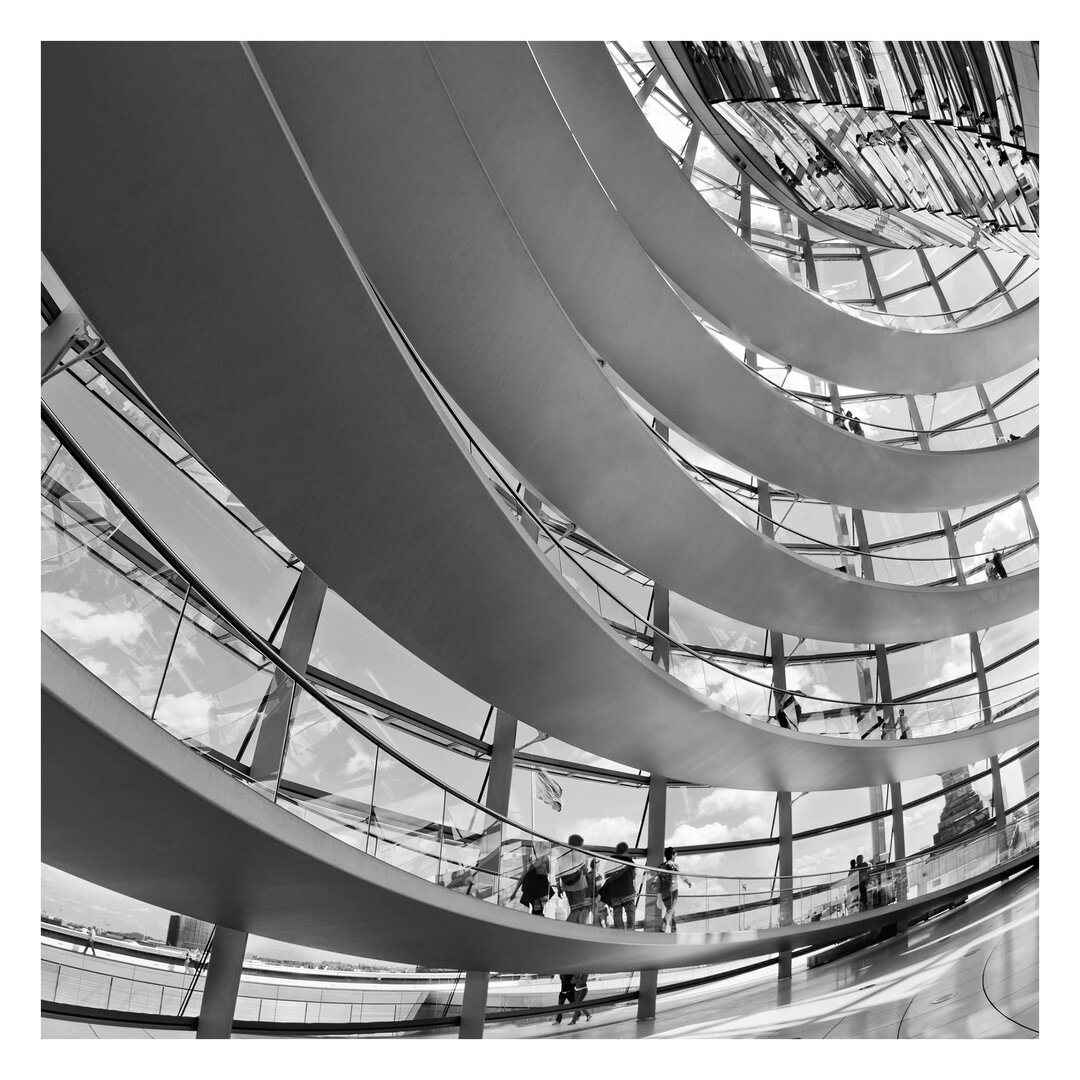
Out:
{"x": 534, "y": 884}
{"x": 576, "y": 880}
{"x": 619, "y": 889}
{"x": 668, "y": 889}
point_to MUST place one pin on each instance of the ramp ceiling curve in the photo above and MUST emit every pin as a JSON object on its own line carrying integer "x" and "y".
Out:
{"x": 258, "y": 339}
{"x": 704, "y": 257}
{"x": 473, "y": 302}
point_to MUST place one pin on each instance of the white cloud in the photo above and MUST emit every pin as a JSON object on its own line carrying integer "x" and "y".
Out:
{"x": 716, "y": 832}
{"x": 1007, "y": 526}
{"x": 186, "y": 714}
{"x": 606, "y": 830}
{"x": 64, "y": 616}
{"x": 827, "y": 860}
{"x": 723, "y": 800}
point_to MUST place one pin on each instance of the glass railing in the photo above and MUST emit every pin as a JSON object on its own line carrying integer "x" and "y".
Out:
{"x": 973, "y": 433}
{"x": 921, "y": 570}
{"x": 701, "y": 672}
{"x": 900, "y": 566}
{"x": 668, "y": 116}
{"x": 123, "y": 605}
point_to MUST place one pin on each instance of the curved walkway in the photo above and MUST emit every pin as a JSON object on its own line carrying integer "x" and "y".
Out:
{"x": 924, "y": 985}
{"x": 682, "y": 233}
{"x": 614, "y": 296}
{"x": 476, "y": 307}
{"x": 246, "y": 346}
{"x": 129, "y": 807}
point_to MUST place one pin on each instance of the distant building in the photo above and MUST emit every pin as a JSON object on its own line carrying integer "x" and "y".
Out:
{"x": 188, "y": 933}
{"x": 963, "y": 809}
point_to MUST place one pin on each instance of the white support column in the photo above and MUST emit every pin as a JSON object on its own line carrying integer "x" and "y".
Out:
{"x": 648, "y": 980}
{"x": 997, "y": 794}
{"x": 58, "y": 336}
{"x": 223, "y": 973}
{"x": 227, "y": 955}
{"x": 474, "y": 1005}
{"x": 273, "y": 734}
{"x": 500, "y": 777}
{"x": 785, "y": 869}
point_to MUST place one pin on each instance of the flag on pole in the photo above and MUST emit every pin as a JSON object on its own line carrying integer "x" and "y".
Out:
{"x": 789, "y": 712}
{"x": 547, "y": 790}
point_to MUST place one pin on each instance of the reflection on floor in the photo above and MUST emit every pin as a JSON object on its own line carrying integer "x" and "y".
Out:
{"x": 970, "y": 973}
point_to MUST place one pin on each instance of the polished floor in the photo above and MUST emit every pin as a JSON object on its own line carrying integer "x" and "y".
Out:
{"x": 969, "y": 973}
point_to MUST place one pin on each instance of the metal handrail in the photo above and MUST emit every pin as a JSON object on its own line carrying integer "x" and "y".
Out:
{"x": 929, "y": 432}
{"x": 260, "y": 645}
{"x": 558, "y": 541}
{"x": 843, "y": 548}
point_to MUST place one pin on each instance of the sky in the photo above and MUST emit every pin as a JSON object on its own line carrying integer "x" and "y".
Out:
{"x": 125, "y": 644}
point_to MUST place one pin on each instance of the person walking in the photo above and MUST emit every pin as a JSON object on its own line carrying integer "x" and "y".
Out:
{"x": 864, "y": 883}
{"x": 901, "y": 721}
{"x": 581, "y": 988}
{"x": 854, "y": 425}
{"x": 618, "y": 890}
{"x": 89, "y": 946}
{"x": 999, "y": 565}
{"x": 534, "y": 884}
{"x": 669, "y": 889}
{"x": 576, "y": 879}
{"x": 566, "y": 994}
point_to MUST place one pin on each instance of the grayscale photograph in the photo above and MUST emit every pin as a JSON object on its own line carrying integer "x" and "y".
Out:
{"x": 540, "y": 539}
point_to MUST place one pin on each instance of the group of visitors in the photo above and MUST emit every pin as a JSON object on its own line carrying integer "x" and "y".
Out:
{"x": 592, "y": 895}
{"x": 994, "y": 566}
{"x": 848, "y": 422}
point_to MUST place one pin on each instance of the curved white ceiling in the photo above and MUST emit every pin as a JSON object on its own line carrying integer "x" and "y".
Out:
{"x": 682, "y": 233}
{"x": 233, "y": 302}
{"x": 454, "y": 270}
{"x": 622, "y": 306}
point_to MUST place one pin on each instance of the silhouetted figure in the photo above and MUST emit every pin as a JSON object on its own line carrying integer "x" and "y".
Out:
{"x": 566, "y": 994}
{"x": 999, "y": 565}
{"x": 853, "y": 424}
{"x": 618, "y": 889}
{"x": 864, "y": 882}
{"x": 575, "y": 881}
{"x": 581, "y": 988}
{"x": 535, "y": 885}
{"x": 668, "y": 888}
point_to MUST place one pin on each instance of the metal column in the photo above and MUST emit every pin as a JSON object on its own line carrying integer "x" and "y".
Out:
{"x": 661, "y": 655}
{"x": 648, "y": 980}
{"x": 784, "y": 869}
{"x": 474, "y": 1005}
{"x": 222, "y": 983}
{"x": 500, "y": 776}
{"x": 227, "y": 955}
{"x": 273, "y": 734}
{"x": 979, "y": 668}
